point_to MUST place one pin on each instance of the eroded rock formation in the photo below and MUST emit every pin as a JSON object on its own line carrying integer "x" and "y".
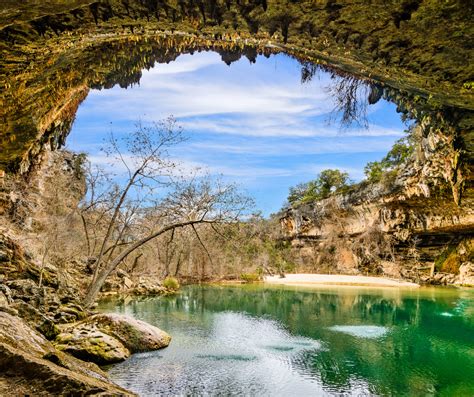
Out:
{"x": 30, "y": 365}
{"x": 380, "y": 229}
{"x": 52, "y": 53}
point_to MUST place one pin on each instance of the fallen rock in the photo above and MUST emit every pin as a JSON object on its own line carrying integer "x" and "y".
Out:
{"x": 149, "y": 286}
{"x": 30, "y": 363}
{"x": 110, "y": 338}
{"x": 127, "y": 283}
{"x": 69, "y": 313}
{"x": 136, "y": 335}
{"x": 122, "y": 273}
{"x": 91, "y": 344}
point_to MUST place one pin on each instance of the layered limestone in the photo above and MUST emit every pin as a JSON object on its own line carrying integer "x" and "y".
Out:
{"x": 379, "y": 230}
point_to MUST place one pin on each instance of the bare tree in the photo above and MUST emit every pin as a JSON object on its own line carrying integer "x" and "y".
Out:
{"x": 155, "y": 197}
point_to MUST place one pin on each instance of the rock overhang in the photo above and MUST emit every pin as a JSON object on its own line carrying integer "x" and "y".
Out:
{"x": 53, "y": 53}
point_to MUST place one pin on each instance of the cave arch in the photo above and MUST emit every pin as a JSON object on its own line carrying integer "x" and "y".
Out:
{"x": 53, "y": 53}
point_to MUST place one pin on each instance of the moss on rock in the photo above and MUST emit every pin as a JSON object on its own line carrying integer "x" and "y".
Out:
{"x": 27, "y": 358}
{"x": 110, "y": 338}
{"x": 91, "y": 345}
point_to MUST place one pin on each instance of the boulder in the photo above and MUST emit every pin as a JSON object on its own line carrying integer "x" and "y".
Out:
{"x": 136, "y": 335}
{"x": 30, "y": 365}
{"x": 109, "y": 338}
{"x": 122, "y": 273}
{"x": 149, "y": 286}
{"x": 92, "y": 345}
{"x": 69, "y": 313}
{"x": 127, "y": 283}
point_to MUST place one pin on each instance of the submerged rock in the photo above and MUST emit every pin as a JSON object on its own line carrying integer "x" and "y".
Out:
{"x": 109, "y": 338}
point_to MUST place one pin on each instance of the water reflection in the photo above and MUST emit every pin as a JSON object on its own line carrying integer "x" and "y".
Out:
{"x": 259, "y": 341}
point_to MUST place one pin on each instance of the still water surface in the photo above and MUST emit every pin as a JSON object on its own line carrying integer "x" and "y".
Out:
{"x": 282, "y": 341}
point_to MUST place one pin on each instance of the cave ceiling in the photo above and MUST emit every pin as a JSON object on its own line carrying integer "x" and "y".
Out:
{"x": 53, "y": 52}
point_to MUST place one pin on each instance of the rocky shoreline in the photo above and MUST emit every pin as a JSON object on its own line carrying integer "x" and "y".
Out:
{"x": 57, "y": 345}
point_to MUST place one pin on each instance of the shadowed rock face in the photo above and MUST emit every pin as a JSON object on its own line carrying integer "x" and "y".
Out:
{"x": 53, "y": 53}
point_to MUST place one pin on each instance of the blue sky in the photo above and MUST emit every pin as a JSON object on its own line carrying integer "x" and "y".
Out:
{"x": 255, "y": 124}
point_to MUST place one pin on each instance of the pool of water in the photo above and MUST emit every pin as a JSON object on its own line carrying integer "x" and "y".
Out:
{"x": 284, "y": 341}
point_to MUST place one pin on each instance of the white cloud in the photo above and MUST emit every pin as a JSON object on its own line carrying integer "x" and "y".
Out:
{"x": 185, "y": 64}
{"x": 251, "y": 124}
{"x": 174, "y": 89}
{"x": 281, "y": 125}
{"x": 288, "y": 148}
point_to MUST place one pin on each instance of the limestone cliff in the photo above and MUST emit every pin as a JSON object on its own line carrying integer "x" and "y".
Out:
{"x": 379, "y": 229}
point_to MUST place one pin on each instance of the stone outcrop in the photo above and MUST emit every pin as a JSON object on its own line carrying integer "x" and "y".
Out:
{"x": 30, "y": 365}
{"x": 51, "y": 310}
{"x": 109, "y": 338}
{"x": 90, "y": 344}
{"x": 42, "y": 306}
{"x": 466, "y": 274}
{"x": 122, "y": 283}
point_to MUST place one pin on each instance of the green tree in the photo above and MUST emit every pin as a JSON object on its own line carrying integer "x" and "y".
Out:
{"x": 328, "y": 181}
{"x": 400, "y": 152}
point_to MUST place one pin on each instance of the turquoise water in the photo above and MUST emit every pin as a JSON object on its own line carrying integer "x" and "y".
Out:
{"x": 282, "y": 341}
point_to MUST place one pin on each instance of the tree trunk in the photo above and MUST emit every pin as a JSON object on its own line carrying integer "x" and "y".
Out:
{"x": 98, "y": 281}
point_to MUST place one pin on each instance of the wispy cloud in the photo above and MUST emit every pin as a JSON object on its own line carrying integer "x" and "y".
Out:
{"x": 281, "y": 126}
{"x": 254, "y": 124}
{"x": 184, "y": 64}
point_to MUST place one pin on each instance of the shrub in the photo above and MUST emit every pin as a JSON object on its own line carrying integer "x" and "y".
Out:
{"x": 171, "y": 283}
{"x": 374, "y": 171}
{"x": 250, "y": 277}
{"x": 451, "y": 264}
{"x": 439, "y": 261}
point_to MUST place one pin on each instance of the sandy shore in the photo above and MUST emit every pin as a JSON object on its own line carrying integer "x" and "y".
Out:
{"x": 337, "y": 279}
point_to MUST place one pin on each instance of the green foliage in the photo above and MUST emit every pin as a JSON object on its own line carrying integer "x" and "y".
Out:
{"x": 442, "y": 258}
{"x": 250, "y": 277}
{"x": 79, "y": 162}
{"x": 468, "y": 85}
{"x": 398, "y": 155}
{"x": 328, "y": 181}
{"x": 374, "y": 171}
{"x": 171, "y": 283}
{"x": 280, "y": 255}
